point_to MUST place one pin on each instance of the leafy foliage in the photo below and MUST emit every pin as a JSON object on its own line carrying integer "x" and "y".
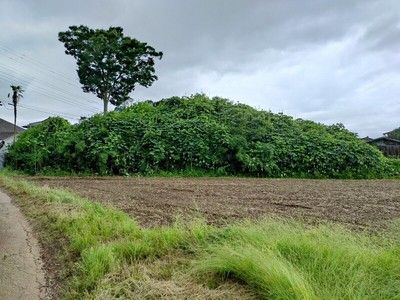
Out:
{"x": 198, "y": 133}
{"x": 394, "y": 134}
{"x": 40, "y": 147}
{"x": 109, "y": 63}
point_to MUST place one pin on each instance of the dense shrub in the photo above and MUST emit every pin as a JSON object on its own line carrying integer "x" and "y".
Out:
{"x": 392, "y": 167}
{"x": 197, "y": 133}
{"x": 40, "y": 147}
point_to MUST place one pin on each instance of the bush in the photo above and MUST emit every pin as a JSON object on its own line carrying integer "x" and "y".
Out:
{"x": 392, "y": 167}
{"x": 40, "y": 147}
{"x": 197, "y": 133}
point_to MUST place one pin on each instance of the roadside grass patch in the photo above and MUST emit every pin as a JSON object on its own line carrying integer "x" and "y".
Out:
{"x": 98, "y": 238}
{"x": 287, "y": 260}
{"x": 108, "y": 255}
{"x": 164, "y": 278}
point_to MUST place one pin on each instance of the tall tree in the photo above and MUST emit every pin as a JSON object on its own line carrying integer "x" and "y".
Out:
{"x": 16, "y": 95}
{"x": 109, "y": 63}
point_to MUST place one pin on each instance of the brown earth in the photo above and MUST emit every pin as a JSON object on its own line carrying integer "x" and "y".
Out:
{"x": 155, "y": 201}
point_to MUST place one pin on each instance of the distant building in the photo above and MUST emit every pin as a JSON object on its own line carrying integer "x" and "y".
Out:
{"x": 34, "y": 123}
{"x": 6, "y": 137}
{"x": 367, "y": 139}
{"x": 389, "y": 147}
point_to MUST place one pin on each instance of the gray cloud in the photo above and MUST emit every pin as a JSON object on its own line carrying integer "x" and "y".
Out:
{"x": 383, "y": 33}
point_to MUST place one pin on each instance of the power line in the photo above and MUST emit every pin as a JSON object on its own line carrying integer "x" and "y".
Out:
{"x": 66, "y": 115}
{"x": 35, "y": 63}
{"x": 44, "y": 83}
{"x": 40, "y": 86}
{"x": 55, "y": 92}
{"x": 46, "y": 92}
{"x": 4, "y": 104}
{"x": 51, "y": 112}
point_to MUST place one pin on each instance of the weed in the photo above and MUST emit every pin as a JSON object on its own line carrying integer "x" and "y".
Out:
{"x": 287, "y": 260}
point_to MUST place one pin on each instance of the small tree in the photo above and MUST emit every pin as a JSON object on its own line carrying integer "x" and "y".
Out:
{"x": 16, "y": 95}
{"x": 110, "y": 64}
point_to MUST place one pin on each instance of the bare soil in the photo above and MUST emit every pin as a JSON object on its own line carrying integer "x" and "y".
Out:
{"x": 156, "y": 201}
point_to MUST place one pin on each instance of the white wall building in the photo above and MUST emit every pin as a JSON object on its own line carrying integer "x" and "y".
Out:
{"x": 6, "y": 135}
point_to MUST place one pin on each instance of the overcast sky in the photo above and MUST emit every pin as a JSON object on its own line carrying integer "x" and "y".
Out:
{"x": 323, "y": 60}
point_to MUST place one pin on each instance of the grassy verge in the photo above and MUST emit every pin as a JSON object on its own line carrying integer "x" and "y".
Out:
{"x": 107, "y": 255}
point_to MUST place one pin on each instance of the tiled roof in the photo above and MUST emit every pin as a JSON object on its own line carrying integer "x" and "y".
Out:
{"x": 384, "y": 138}
{"x": 7, "y": 129}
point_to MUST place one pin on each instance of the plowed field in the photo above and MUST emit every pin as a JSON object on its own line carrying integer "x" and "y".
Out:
{"x": 155, "y": 201}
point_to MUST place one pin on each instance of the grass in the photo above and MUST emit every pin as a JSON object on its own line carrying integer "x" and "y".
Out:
{"x": 287, "y": 260}
{"x": 267, "y": 272}
{"x": 107, "y": 255}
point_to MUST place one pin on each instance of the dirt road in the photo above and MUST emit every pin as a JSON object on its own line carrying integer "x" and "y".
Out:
{"x": 21, "y": 274}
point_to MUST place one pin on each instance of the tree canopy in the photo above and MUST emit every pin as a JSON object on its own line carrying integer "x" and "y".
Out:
{"x": 109, "y": 63}
{"x": 394, "y": 134}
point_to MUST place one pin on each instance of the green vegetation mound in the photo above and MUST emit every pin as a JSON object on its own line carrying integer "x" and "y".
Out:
{"x": 196, "y": 134}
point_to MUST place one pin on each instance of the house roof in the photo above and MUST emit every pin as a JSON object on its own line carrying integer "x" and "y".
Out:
{"x": 35, "y": 123}
{"x": 384, "y": 138}
{"x": 7, "y": 129}
{"x": 367, "y": 139}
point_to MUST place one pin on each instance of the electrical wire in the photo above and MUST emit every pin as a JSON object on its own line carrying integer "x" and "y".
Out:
{"x": 44, "y": 84}
{"x": 37, "y": 64}
{"x": 63, "y": 114}
{"x": 57, "y": 92}
{"x": 47, "y": 93}
{"x": 40, "y": 86}
{"x": 51, "y": 112}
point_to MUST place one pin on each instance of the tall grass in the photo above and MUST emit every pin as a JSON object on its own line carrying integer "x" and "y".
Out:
{"x": 101, "y": 238}
{"x": 275, "y": 258}
{"x": 269, "y": 274}
{"x": 287, "y": 260}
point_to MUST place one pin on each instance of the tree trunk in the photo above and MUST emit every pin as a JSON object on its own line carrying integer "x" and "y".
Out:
{"x": 105, "y": 102}
{"x": 15, "y": 120}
